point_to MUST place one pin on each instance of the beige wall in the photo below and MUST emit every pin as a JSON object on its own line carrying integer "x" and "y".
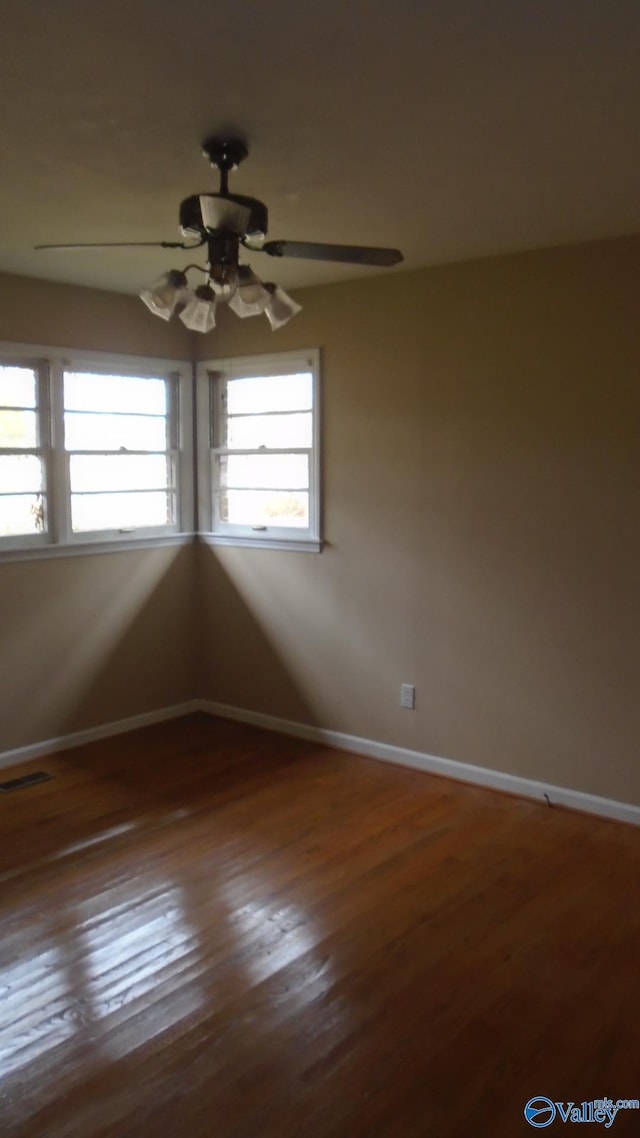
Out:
{"x": 66, "y": 316}
{"x": 481, "y": 488}
{"x": 87, "y": 640}
{"x": 481, "y": 497}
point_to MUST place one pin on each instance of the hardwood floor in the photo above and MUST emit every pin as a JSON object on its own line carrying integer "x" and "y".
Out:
{"x": 206, "y": 930}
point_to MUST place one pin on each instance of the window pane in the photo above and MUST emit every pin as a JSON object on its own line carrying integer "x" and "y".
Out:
{"x": 119, "y": 472}
{"x": 264, "y": 507}
{"x": 20, "y": 473}
{"x": 113, "y": 432}
{"x": 84, "y": 391}
{"x": 17, "y": 387}
{"x": 119, "y": 511}
{"x": 18, "y": 429}
{"x": 277, "y": 471}
{"x": 254, "y": 394}
{"x": 21, "y": 514}
{"x": 281, "y": 431}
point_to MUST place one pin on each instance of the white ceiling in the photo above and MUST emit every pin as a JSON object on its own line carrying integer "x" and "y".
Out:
{"x": 448, "y": 128}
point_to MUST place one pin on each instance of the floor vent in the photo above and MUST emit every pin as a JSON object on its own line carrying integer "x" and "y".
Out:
{"x": 24, "y": 782}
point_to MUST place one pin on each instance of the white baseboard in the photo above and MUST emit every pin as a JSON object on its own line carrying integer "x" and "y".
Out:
{"x": 433, "y": 764}
{"x": 103, "y": 731}
{"x": 418, "y": 760}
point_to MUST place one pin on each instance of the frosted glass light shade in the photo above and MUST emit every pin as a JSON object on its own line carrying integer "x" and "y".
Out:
{"x": 251, "y": 297}
{"x": 281, "y": 307}
{"x": 163, "y": 295}
{"x": 200, "y": 313}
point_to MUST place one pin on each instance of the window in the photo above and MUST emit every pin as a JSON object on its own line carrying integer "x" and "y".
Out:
{"x": 97, "y": 451}
{"x": 262, "y": 476}
{"x": 121, "y": 451}
{"x": 23, "y": 498}
{"x": 93, "y": 449}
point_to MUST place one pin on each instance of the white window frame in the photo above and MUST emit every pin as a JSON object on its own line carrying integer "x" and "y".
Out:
{"x": 211, "y": 529}
{"x": 59, "y": 538}
{"x": 40, "y": 369}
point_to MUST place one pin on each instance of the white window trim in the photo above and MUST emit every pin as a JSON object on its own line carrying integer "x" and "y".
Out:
{"x": 82, "y": 549}
{"x": 275, "y": 537}
{"x": 59, "y": 539}
{"x": 35, "y": 541}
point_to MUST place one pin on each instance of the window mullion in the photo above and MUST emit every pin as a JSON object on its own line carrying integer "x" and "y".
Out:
{"x": 204, "y": 418}
{"x": 180, "y": 454}
{"x": 43, "y": 382}
{"x": 59, "y": 459}
{"x": 36, "y": 451}
{"x": 121, "y": 453}
{"x": 231, "y": 452}
{"x": 280, "y": 413}
{"x": 166, "y": 489}
{"x": 315, "y": 491}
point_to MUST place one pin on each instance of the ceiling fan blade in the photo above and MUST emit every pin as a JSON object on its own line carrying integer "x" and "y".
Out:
{"x": 124, "y": 245}
{"x": 350, "y": 254}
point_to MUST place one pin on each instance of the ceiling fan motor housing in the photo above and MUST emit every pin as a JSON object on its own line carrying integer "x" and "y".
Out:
{"x": 202, "y": 214}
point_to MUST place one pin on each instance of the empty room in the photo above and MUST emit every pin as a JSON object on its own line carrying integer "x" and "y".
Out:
{"x": 319, "y": 564}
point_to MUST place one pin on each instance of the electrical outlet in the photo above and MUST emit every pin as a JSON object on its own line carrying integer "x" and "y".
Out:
{"x": 407, "y": 696}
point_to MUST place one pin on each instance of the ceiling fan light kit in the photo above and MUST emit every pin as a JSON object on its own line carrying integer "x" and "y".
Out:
{"x": 223, "y": 222}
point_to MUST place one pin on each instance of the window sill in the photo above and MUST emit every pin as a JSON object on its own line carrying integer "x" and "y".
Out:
{"x": 84, "y": 548}
{"x": 81, "y": 549}
{"x": 286, "y": 545}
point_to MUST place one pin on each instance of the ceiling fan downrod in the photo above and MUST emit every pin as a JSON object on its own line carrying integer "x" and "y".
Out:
{"x": 225, "y": 154}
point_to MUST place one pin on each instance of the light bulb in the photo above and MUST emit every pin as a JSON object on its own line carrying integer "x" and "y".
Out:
{"x": 223, "y": 280}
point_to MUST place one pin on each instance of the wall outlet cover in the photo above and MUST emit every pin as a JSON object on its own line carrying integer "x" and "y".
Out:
{"x": 408, "y": 696}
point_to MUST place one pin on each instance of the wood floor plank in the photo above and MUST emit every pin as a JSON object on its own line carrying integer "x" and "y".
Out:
{"x": 207, "y": 929}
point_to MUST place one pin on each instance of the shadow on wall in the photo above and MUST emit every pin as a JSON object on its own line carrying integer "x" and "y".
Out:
{"x": 89, "y": 640}
{"x": 481, "y": 485}
{"x": 241, "y": 657}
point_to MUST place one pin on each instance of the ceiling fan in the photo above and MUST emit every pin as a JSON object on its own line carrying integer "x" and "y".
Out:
{"x": 225, "y": 222}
